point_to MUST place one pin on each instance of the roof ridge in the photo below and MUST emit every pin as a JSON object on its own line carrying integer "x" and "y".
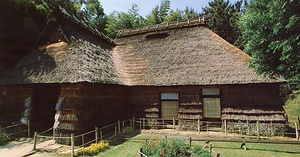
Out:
{"x": 80, "y": 22}
{"x": 164, "y": 26}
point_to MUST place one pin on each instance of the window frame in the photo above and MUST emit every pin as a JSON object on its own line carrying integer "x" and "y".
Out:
{"x": 211, "y": 96}
{"x": 169, "y": 99}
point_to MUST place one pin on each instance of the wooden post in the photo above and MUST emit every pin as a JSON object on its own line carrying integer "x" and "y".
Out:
{"x": 123, "y": 126}
{"x": 28, "y": 128}
{"x": 116, "y": 130}
{"x": 19, "y": 131}
{"x": 218, "y": 154}
{"x": 207, "y": 127}
{"x": 72, "y": 145}
{"x": 101, "y": 136}
{"x": 140, "y": 124}
{"x": 133, "y": 121}
{"x": 35, "y": 140}
{"x": 119, "y": 126}
{"x": 131, "y": 124}
{"x": 96, "y": 134}
{"x": 258, "y": 129}
{"x": 248, "y": 127}
{"x": 174, "y": 124}
{"x": 210, "y": 148}
{"x": 297, "y": 132}
{"x": 82, "y": 140}
{"x": 199, "y": 127}
{"x": 272, "y": 130}
{"x": 144, "y": 123}
{"x": 225, "y": 126}
{"x": 190, "y": 141}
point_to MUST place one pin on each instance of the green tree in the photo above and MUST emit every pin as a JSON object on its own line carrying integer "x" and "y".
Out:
{"x": 93, "y": 14}
{"x": 120, "y": 20}
{"x": 271, "y": 29}
{"x": 159, "y": 13}
{"x": 224, "y": 19}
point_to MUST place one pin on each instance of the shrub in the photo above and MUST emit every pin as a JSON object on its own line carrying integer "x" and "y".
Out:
{"x": 4, "y": 138}
{"x": 170, "y": 147}
{"x": 93, "y": 149}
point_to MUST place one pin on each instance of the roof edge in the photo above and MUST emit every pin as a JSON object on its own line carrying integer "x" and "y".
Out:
{"x": 161, "y": 27}
{"x": 81, "y": 23}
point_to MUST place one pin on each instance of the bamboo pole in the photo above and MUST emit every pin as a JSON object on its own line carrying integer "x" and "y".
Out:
{"x": 72, "y": 145}
{"x": 35, "y": 140}
{"x": 297, "y": 131}
{"x": 96, "y": 134}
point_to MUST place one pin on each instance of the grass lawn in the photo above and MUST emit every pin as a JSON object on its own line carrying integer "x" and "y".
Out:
{"x": 230, "y": 149}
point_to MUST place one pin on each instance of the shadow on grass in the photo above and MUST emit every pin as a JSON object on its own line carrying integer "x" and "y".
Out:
{"x": 256, "y": 149}
{"x": 121, "y": 138}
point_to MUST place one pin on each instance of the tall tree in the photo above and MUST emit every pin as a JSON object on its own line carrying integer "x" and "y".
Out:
{"x": 93, "y": 14}
{"x": 271, "y": 29}
{"x": 120, "y": 20}
{"x": 224, "y": 19}
{"x": 159, "y": 13}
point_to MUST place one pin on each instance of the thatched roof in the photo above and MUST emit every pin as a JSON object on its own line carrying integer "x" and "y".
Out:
{"x": 70, "y": 51}
{"x": 61, "y": 62}
{"x": 179, "y": 53}
{"x": 189, "y": 55}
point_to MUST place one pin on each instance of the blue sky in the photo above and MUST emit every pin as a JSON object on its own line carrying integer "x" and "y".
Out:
{"x": 146, "y": 6}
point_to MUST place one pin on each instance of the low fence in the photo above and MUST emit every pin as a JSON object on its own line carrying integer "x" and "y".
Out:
{"x": 16, "y": 130}
{"x": 248, "y": 128}
{"x": 243, "y": 128}
{"x": 87, "y": 138}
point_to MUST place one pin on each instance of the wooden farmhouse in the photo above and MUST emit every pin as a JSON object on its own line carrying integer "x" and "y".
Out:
{"x": 77, "y": 78}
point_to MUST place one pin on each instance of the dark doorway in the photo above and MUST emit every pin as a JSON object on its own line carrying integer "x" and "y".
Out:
{"x": 44, "y": 100}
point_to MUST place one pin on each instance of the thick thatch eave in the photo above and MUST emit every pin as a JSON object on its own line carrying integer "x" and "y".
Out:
{"x": 61, "y": 62}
